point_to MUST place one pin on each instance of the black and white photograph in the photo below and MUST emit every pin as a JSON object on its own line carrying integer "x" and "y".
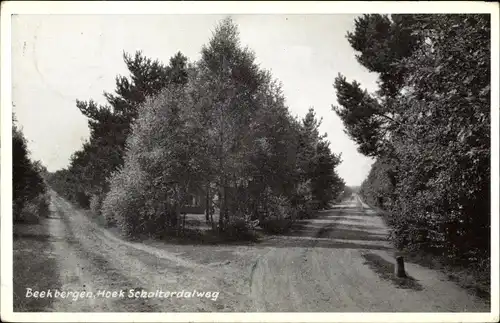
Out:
{"x": 211, "y": 161}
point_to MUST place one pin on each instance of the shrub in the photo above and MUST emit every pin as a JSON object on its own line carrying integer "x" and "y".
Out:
{"x": 42, "y": 202}
{"x": 27, "y": 181}
{"x": 239, "y": 228}
{"x": 276, "y": 226}
{"x": 28, "y": 214}
{"x": 96, "y": 203}
{"x": 34, "y": 209}
{"x": 124, "y": 203}
{"x": 280, "y": 215}
{"x": 82, "y": 199}
{"x": 305, "y": 211}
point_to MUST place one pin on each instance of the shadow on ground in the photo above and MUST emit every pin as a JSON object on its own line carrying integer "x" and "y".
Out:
{"x": 340, "y": 228}
{"x": 385, "y": 270}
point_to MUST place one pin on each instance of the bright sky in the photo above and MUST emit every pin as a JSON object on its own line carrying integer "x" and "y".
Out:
{"x": 58, "y": 59}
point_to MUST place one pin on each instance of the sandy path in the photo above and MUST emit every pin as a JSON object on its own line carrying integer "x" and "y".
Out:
{"x": 332, "y": 275}
{"x": 93, "y": 259}
{"x": 319, "y": 267}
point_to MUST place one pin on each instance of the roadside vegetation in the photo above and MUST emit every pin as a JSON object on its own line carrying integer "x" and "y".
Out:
{"x": 33, "y": 267}
{"x": 216, "y": 135}
{"x": 428, "y": 130}
{"x": 30, "y": 200}
{"x": 217, "y": 129}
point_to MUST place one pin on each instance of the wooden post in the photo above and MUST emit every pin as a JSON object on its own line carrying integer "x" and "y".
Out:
{"x": 400, "y": 267}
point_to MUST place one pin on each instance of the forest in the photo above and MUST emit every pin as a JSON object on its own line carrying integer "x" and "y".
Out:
{"x": 219, "y": 128}
{"x": 427, "y": 128}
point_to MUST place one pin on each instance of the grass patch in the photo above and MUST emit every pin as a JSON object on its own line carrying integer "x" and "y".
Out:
{"x": 34, "y": 266}
{"x": 474, "y": 278}
{"x": 385, "y": 270}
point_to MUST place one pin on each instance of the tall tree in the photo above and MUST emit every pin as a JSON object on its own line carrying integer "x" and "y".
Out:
{"x": 429, "y": 122}
{"x": 110, "y": 124}
{"x": 219, "y": 126}
{"x": 317, "y": 162}
{"x": 231, "y": 79}
{"x": 162, "y": 162}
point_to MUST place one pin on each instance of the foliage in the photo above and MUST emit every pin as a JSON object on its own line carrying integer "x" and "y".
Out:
{"x": 95, "y": 204}
{"x": 28, "y": 185}
{"x": 280, "y": 215}
{"x": 163, "y": 162}
{"x": 428, "y": 126}
{"x": 124, "y": 200}
{"x": 318, "y": 163}
{"x": 109, "y": 125}
{"x": 219, "y": 127}
{"x": 378, "y": 188}
{"x": 34, "y": 209}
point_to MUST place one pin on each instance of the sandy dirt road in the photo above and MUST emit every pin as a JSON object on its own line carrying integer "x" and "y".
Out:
{"x": 331, "y": 268}
{"x": 324, "y": 265}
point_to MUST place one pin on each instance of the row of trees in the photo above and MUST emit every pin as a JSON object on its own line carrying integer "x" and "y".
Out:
{"x": 427, "y": 126}
{"x": 85, "y": 180}
{"x": 29, "y": 199}
{"x": 218, "y": 126}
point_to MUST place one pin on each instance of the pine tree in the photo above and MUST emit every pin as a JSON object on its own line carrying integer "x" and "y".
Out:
{"x": 428, "y": 125}
{"x": 110, "y": 124}
{"x": 230, "y": 78}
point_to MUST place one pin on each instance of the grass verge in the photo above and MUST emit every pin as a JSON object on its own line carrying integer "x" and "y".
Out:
{"x": 385, "y": 270}
{"x": 34, "y": 266}
{"x": 475, "y": 279}
{"x": 472, "y": 278}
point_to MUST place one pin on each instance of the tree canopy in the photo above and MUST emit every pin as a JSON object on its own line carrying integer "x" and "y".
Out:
{"x": 28, "y": 183}
{"x": 218, "y": 127}
{"x": 428, "y": 126}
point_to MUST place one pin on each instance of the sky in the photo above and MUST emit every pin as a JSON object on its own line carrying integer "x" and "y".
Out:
{"x": 57, "y": 59}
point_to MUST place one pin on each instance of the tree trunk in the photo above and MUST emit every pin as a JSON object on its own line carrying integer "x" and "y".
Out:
{"x": 177, "y": 218}
{"x": 222, "y": 208}
{"x": 207, "y": 205}
{"x": 177, "y": 212}
{"x": 226, "y": 211}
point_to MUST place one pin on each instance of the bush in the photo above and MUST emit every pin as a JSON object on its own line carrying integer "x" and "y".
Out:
{"x": 28, "y": 214}
{"x": 82, "y": 199}
{"x": 43, "y": 205}
{"x": 124, "y": 203}
{"x": 280, "y": 215}
{"x": 28, "y": 185}
{"x": 96, "y": 209}
{"x": 276, "y": 226}
{"x": 239, "y": 228}
{"x": 34, "y": 209}
{"x": 305, "y": 212}
{"x": 96, "y": 203}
